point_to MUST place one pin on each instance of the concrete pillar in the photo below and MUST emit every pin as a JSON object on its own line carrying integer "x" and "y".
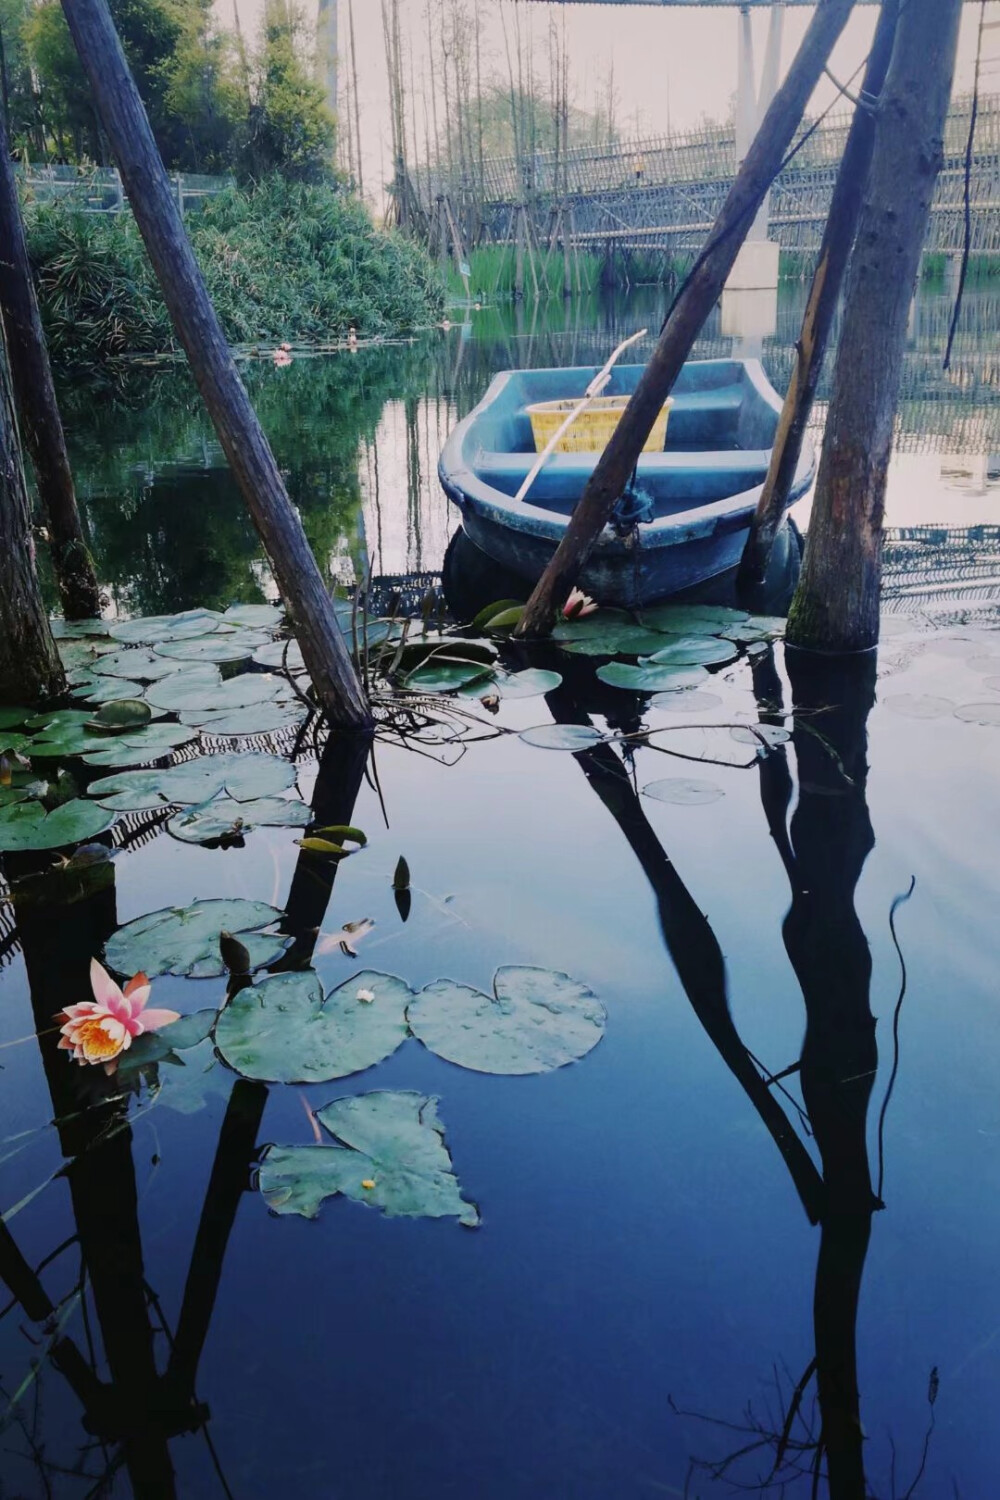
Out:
{"x": 756, "y": 266}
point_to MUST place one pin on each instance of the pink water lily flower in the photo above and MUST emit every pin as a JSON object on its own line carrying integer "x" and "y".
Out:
{"x": 99, "y": 1030}
{"x": 577, "y": 605}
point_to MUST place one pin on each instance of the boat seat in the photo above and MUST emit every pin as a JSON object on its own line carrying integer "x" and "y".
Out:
{"x": 677, "y": 480}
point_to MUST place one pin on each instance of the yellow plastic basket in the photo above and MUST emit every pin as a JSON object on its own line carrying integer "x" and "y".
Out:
{"x": 593, "y": 428}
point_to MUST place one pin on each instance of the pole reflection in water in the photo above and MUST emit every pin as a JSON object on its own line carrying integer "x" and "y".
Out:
{"x": 823, "y": 852}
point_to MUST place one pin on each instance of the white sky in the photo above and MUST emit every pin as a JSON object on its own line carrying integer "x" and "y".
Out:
{"x": 672, "y": 65}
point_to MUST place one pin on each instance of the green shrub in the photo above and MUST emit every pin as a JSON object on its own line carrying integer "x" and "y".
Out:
{"x": 285, "y": 261}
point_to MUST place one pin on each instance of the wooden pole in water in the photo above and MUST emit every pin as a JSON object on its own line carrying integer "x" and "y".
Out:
{"x": 30, "y": 668}
{"x": 836, "y": 606}
{"x": 40, "y": 423}
{"x": 692, "y": 306}
{"x": 828, "y": 279}
{"x": 126, "y": 125}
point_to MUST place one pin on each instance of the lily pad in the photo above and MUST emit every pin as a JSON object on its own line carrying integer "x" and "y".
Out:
{"x": 283, "y": 1030}
{"x": 243, "y": 777}
{"x": 223, "y": 818}
{"x": 12, "y": 718}
{"x": 683, "y": 791}
{"x": 185, "y": 940}
{"x": 153, "y": 629}
{"x": 121, "y": 714}
{"x": 136, "y": 666}
{"x": 535, "y": 1021}
{"x": 444, "y": 676}
{"x": 624, "y": 640}
{"x": 692, "y": 619}
{"x": 498, "y": 607}
{"x": 392, "y": 1156}
{"x": 587, "y": 625}
{"x": 27, "y": 825}
{"x": 254, "y": 616}
{"x": 763, "y": 736}
{"x": 691, "y": 702}
{"x": 217, "y": 647}
{"x": 153, "y": 1046}
{"x": 563, "y": 736}
{"x": 979, "y": 713}
{"x": 531, "y": 683}
{"x": 652, "y": 677}
{"x": 73, "y": 629}
{"x": 139, "y": 747}
{"x": 201, "y": 689}
{"x": 262, "y": 718}
{"x": 97, "y": 690}
{"x": 694, "y": 651}
{"x": 280, "y": 655}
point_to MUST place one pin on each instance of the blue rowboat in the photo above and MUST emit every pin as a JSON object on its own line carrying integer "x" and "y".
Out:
{"x": 684, "y": 519}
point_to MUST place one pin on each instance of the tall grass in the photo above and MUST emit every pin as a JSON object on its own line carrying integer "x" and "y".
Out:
{"x": 286, "y": 261}
{"x": 493, "y": 271}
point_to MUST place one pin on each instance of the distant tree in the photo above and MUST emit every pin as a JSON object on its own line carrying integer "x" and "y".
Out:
{"x": 23, "y": 120}
{"x": 289, "y": 129}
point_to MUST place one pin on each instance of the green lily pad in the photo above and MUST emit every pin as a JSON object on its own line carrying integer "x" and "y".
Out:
{"x": 254, "y": 616}
{"x": 13, "y": 742}
{"x": 185, "y": 940}
{"x": 444, "y": 677}
{"x": 651, "y": 678}
{"x": 23, "y": 786}
{"x": 498, "y": 607}
{"x": 692, "y": 619}
{"x": 27, "y": 825}
{"x": 616, "y": 640}
{"x": 12, "y": 718}
{"x": 138, "y": 747}
{"x": 97, "y": 690}
{"x": 694, "y": 651}
{"x": 201, "y": 689}
{"x": 85, "y": 653}
{"x": 436, "y": 648}
{"x": 563, "y": 736}
{"x": 243, "y": 777}
{"x": 586, "y": 625}
{"x": 691, "y": 702}
{"x": 280, "y": 655}
{"x": 153, "y": 629}
{"x": 683, "y": 791}
{"x": 72, "y": 629}
{"x": 531, "y": 683}
{"x": 239, "y": 645}
{"x": 506, "y": 619}
{"x": 535, "y": 1021}
{"x": 763, "y": 737}
{"x": 136, "y": 666}
{"x": 121, "y": 714}
{"x": 154, "y": 1046}
{"x": 284, "y": 1031}
{"x": 392, "y": 1156}
{"x": 224, "y": 818}
{"x": 262, "y": 718}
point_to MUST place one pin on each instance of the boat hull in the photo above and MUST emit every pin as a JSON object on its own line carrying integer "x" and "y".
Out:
{"x": 699, "y": 493}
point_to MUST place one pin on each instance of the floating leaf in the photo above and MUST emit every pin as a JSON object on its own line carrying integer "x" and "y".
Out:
{"x": 243, "y": 777}
{"x": 587, "y": 625}
{"x": 443, "y": 677}
{"x": 712, "y": 742}
{"x": 122, "y": 713}
{"x": 536, "y": 1020}
{"x": 254, "y": 616}
{"x": 692, "y": 619}
{"x": 694, "y": 651}
{"x": 284, "y": 1031}
{"x": 27, "y": 825}
{"x": 154, "y": 1046}
{"x": 11, "y": 718}
{"x": 98, "y": 690}
{"x": 507, "y": 619}
{"x": 531, "y": 683}
{"x": 223, "y": 818}
{"x": 153, "y": 629}
{"x": 66, "y": 629}
{"x": 401, "y": 875}
{"x": 135, "y": 666}
{"x": 185, "y": 940}
{"x": 651, "y": 678}
{"x": 192, "y": 687}
{"x": 137, "y": 747}
{"x": 283, "y": 655}
{"x": 919, "y": 706}
{"x": 218, "y": 647}
{"x": 563, "y": 736}
{"x": 263, "y": 718}
{"x": 445, "y": 648}
{"x": 392, "y": 1156}
{"x": 683, "y": 791}
{"x": 615, "y": 640}
{"x": 498, "y": 607}
{"x": 74, "y": 654}
{"x": 979, "y": 713}
{"x": 763, "y": 736}
{"x": 691, "y": 702}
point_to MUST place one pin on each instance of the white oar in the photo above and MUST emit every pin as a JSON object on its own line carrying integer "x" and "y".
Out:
{"x": 590, "y": 395}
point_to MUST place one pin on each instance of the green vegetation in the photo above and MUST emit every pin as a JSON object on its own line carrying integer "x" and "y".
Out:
{"x": 284, "y": 262}
{"x": 493, "y": 269}
{"x": 214, "y": 103}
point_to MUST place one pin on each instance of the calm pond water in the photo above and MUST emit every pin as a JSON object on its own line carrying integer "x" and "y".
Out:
{"x": 674, "y": 1241}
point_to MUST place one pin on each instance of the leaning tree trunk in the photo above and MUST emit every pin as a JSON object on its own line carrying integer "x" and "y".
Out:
{"x": 126, "y": 124}
{"x": 837, "y": 602}
{"x": 824, "y": 295}
{"x": 692, "y": 306}
{"x": 30, "y": 668}
{"x": 41, "y": 425}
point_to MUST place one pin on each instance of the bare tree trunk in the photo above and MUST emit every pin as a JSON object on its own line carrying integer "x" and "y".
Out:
{"x": 684, "y": 322}
{"x": 41, "y": 426}
{"x": 837, "y": 602}
{"x": 354, "y": 91}
{"x": 30, "y": 668}
{"x": 835, "y": 251}
{"x": 310, "y": 606}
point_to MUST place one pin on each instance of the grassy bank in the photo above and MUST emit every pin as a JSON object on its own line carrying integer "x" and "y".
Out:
{"x": 283, "y": 262}
{"x": 493, "y": 270}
